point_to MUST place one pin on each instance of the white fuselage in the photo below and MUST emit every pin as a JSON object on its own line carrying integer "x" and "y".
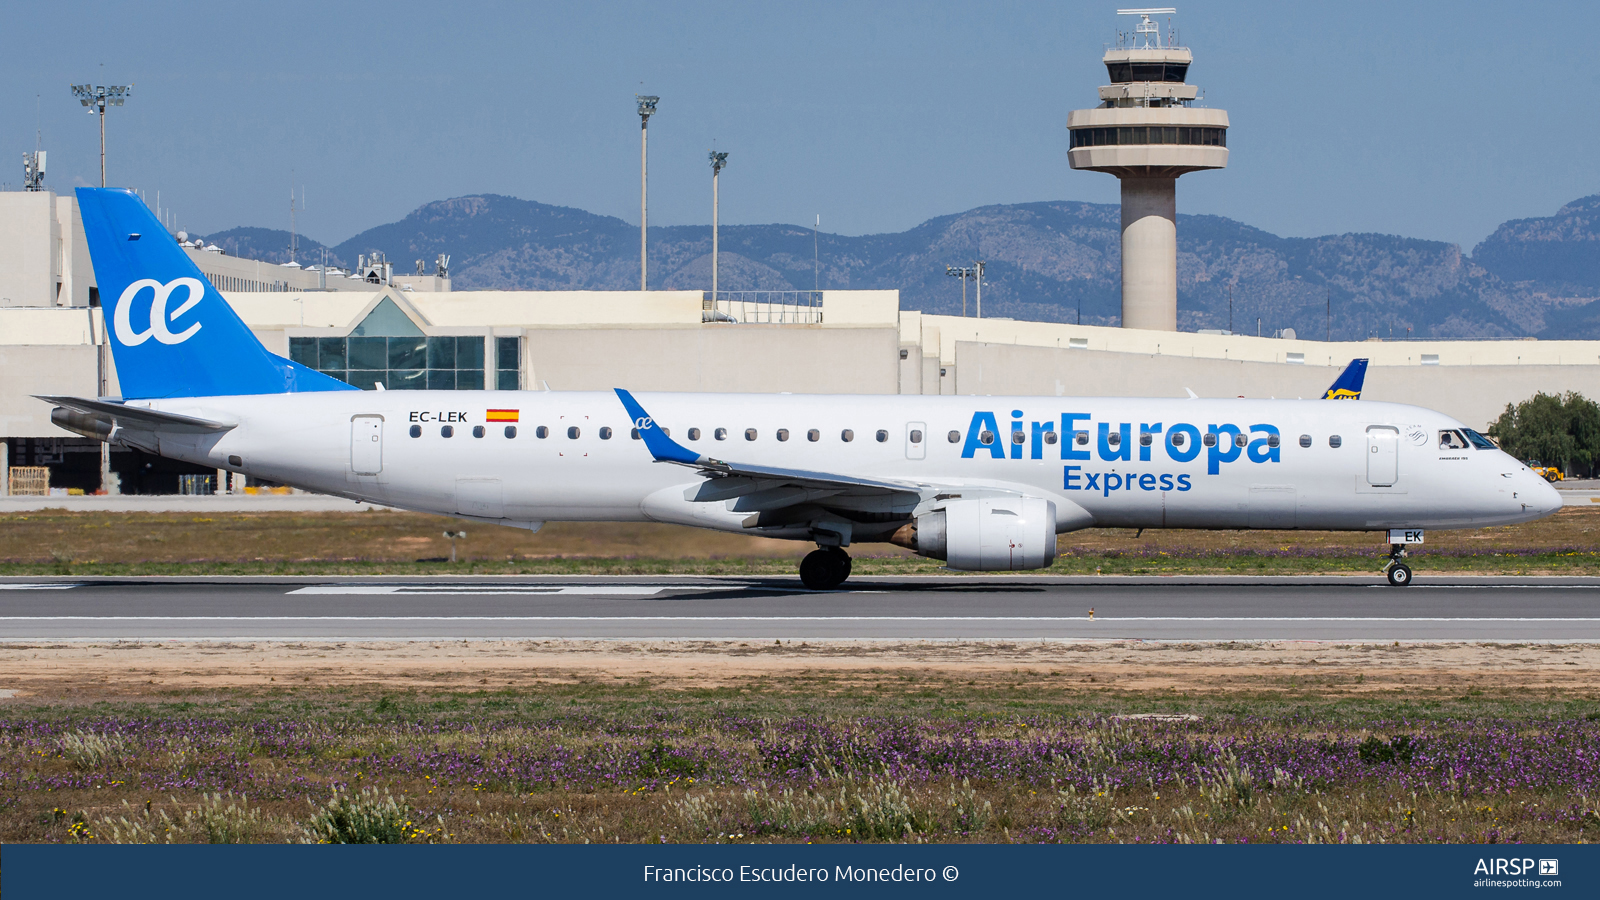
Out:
{"x": 1389, "y": 470}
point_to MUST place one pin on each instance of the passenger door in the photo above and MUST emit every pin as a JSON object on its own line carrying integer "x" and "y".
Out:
{"x": 1383, "y": 455}
{"x": 916, "y": 440}
{"x": 366, "y": 445}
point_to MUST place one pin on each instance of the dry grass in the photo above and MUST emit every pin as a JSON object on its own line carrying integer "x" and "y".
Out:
{"x": 377, "y": 535}
{"x": 381, "y": 540}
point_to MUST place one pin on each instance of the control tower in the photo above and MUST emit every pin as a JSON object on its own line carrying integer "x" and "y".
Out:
{"x": 1146, "y": 133}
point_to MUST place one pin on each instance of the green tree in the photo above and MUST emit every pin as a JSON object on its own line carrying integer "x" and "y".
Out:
{"x": 1555, "y": 429}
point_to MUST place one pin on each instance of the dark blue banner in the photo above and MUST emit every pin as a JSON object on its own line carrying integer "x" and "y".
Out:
{"x": 308, "y": 872}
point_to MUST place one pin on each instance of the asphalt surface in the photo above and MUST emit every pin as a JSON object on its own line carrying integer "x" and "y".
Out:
{"x": 956, "y": 607}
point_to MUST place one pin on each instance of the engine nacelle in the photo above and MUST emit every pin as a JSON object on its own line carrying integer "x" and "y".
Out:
{"x": 987, "y": 535}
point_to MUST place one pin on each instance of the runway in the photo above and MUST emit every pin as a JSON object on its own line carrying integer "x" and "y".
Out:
{"x": 936, "y": 608}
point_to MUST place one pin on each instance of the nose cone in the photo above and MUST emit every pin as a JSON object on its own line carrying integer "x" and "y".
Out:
{"x": 1544, "y": 496}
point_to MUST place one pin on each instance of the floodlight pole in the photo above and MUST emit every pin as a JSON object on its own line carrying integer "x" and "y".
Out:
{"x": 96, "y": 98}
{"x": 718, "y": 160}
{"x": 647, "y": 108}
{"x": 977, "y": 268}
{"x": 963, "y": 273}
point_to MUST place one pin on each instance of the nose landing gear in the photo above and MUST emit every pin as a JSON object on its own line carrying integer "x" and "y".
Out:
{"x": 825, "y": 568}
{"x": 1398, "y": 573}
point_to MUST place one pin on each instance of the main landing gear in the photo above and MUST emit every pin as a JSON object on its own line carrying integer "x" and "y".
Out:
{"x": 825, "y": 568}
{"x": 1398, "y": 573}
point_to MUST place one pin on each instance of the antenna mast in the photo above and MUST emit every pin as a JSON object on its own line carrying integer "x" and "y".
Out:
{"x": 293, "y": 241}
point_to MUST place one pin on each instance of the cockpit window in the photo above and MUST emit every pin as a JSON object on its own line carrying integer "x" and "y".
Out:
{"x": 1478, "y": 440}
{"x": 1450, "y": 439}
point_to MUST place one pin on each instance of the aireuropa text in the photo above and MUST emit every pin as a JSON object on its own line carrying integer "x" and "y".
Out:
{"x": 792, "y": 873}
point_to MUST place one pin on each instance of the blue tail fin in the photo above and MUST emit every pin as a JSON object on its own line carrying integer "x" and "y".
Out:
{"x": 172, "y": 334}
{"x": 1348, "y": 385}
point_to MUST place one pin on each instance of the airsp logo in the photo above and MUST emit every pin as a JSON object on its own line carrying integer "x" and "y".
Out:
{"x": 159, "y": 316}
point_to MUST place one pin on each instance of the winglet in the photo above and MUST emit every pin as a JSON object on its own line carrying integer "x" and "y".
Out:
{"x": 663, "y": 448}
{"x": 1348, "y": 385}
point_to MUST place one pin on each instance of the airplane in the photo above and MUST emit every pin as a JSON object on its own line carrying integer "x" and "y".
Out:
{"x": 982, "y": 483}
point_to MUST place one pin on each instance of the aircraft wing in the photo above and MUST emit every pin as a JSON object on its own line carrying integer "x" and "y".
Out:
{"x": 753, "y": 478}
{"x": 136, "y": 418}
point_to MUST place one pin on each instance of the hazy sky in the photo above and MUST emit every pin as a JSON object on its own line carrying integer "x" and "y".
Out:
{"x": 1435, "y": 120}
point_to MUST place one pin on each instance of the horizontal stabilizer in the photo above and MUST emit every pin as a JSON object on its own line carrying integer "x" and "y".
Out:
{"x": 136, "y": 418}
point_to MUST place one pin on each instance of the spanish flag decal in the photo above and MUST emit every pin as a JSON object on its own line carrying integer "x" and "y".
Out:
{"x": 500, "y": 415}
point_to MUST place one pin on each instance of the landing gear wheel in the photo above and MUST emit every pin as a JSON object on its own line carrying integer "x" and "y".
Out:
{"x": 1398, "y": 573}
{"x": 824, "y": 570}
{"x": 842, "y": 560}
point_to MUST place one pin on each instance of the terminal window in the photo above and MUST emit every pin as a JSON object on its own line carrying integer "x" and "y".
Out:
{"x": 508, "y": 363}
{"x": 388, "y": 348}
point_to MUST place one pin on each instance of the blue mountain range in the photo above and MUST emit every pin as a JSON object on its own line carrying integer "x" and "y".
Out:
{"x": 1055, "y": 261}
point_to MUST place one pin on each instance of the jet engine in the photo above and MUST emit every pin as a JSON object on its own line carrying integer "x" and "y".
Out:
{"x": 986, "y": 535}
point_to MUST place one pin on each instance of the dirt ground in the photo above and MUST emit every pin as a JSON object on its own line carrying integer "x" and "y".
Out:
{"x": 129, "y": 671}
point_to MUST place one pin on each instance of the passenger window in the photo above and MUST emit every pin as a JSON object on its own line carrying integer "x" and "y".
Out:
{"x": 1334, "y": 441}
{"x": 1145, "y": 438}
{"x": 1049, "y": 437}
{"x": 1210, "y": 440}
{"x": 1018, "y": 437}
{"x": 634, "y": 434}
{"x": 847, "y": 435}
{"x": 955, "y": 437}
{"x": 605, "y": 433}
{"x": 1240, "y": 440}
{"x": 749, "y": 434}
{"x": 986, "y": 438}
{"x": 1272, "y": 440}
{"x": 916, "y": 436}
{"x": 783, "y": 434}
{"x": 1114, "y": 439}
{"x": 511, "y": 431}
{"x": 882, "y": 435}
{"x": 1082, "y": 439}
{"x": 447, "y": 431}
{"x": 573, "y": 432}
{"x": 813, "y": 435}
{"x": 1305, "y": 440}
{"x": 416, "y": 431}
{"x": 1177, "y": 438}
{"x": 477, "y": 431}
{"x": 720, "y": 434}
{"x": 666, "y": 431}
{"x": 541, "y": 432}
{"x": 694, "y": 434}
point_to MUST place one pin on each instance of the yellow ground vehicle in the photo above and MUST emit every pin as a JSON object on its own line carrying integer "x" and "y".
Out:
{"x": 1549, "y": 473}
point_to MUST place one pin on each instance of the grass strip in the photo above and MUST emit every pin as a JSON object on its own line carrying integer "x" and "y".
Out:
{"x": 1113, "y": 563}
